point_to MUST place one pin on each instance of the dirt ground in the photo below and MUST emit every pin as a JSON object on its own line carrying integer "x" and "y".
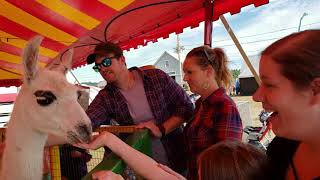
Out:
{"x": 255, "y": 108}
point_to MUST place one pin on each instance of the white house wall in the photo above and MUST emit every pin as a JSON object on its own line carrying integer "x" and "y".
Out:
{"x": 173, "y": 68}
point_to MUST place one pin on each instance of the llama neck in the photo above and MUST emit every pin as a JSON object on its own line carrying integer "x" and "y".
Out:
{"x": 23, "y": 155}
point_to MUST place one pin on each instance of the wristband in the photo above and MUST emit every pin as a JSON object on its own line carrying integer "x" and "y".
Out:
{"x": 162, "y": 130}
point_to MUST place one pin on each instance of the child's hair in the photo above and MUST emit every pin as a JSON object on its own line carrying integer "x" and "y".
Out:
{"x": 228, "y": 160}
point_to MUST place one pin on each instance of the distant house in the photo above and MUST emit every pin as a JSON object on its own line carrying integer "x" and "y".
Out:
{"x": 171, "y": 65}
{"x": 248, "y": 85}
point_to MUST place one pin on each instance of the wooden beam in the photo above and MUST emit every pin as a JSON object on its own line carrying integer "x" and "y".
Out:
{"x": 243, "y": 54}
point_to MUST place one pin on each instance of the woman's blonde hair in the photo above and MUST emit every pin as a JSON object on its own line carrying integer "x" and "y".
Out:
{"x": 217, "y": 59}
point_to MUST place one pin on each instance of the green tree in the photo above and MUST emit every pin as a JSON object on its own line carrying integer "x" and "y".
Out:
{"x": 235, "y": 73}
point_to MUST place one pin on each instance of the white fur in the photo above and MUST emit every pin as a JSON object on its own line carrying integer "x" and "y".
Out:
{"x": 31, "y": 123}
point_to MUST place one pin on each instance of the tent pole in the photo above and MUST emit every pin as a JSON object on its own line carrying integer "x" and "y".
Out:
{"x": 78, "y": 82}
{"x": 208, "y": 22}
{"x": 237, "y": 43}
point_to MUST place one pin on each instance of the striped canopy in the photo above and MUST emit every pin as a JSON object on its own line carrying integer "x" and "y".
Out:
{"x": 83, "y": 23}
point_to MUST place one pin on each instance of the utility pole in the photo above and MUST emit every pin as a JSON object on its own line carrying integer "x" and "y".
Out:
{"x": 178, "y": 49}
{"x": 303, "y": 15}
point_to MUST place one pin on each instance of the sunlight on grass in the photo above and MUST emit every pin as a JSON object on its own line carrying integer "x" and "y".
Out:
{"x": 255, "y": 108}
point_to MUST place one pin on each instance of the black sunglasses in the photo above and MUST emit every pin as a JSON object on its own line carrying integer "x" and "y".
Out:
{"x": 106, "y": 62}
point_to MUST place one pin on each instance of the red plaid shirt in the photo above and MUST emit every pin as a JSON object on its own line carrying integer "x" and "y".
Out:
{"x": 216, "y": 119}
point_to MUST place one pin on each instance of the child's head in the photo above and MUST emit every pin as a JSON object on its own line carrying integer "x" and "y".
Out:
{"x": 229, "y": 160}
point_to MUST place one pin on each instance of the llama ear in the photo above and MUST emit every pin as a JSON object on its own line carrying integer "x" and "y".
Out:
{"x": 62, "y": 65}
{"x": 30, "y": 58}
{"x": 67, "y": 60}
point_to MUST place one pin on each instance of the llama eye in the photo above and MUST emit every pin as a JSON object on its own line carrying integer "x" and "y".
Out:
{"x": 44, "y": 98}
{"x": 79, "y": 94}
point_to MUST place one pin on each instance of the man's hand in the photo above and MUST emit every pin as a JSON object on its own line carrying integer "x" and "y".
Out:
{"x": 153, "y": 128}
{"x": 106, "y": 175}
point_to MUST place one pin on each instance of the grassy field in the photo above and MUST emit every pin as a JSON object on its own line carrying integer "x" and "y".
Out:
{"x": 255, "y": 108}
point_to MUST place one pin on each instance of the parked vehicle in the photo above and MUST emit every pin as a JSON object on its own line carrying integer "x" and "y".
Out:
{"x": 260, "y": 136}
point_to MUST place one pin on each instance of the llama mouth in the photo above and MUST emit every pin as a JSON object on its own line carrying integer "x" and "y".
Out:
{"x": 73, "y": 138}
{"x": 82, "y": 134}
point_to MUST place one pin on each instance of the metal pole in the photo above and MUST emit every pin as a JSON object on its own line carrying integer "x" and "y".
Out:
{"x": 208, "y": 22}
{"x": 179, "y": 49}
{"x": 78, "y": 82}
{"x": 303, "y": 15}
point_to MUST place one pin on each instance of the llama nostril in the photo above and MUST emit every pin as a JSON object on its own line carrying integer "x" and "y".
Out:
{"x": 84, "y": 132}
{"x": 72, "y": 137}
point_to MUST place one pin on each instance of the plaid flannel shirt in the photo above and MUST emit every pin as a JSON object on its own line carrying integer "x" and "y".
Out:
{"x": 166, "y": 98}
{"x": 217, "y": 120}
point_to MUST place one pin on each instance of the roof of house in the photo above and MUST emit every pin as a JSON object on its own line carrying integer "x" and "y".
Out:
{"x": 245, "y": 71}
{"x": 173, "y": 55}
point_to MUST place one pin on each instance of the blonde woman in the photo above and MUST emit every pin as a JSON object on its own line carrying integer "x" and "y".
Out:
{"x": 216, "y": 117}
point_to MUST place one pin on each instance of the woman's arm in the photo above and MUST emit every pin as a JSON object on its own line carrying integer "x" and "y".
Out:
{"x": 139, "y": 162}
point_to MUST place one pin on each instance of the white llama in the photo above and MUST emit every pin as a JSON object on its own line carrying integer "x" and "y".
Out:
{"x": 46, "y": 104}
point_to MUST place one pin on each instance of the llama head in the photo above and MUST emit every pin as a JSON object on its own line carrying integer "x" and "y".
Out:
{"x": 49, "y": 100}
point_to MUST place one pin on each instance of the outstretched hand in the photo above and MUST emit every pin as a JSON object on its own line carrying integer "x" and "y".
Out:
{"x": 152, "y": 127}
{"x": 97, "y": 141}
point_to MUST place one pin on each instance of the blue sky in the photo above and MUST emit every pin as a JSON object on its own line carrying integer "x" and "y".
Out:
{"x": 255, "y": 28}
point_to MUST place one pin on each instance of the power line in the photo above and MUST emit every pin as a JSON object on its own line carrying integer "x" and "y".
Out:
{"x": 253, "y": 35}
{"x": 249, "y": 42}
{"x": 279, "y": 30}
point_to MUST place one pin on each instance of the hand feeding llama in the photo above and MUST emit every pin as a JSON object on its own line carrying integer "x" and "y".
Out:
{"x": 46, "y": 104}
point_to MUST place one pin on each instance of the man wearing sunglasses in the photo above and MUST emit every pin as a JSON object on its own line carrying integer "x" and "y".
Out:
{"x": 146, "y": 98}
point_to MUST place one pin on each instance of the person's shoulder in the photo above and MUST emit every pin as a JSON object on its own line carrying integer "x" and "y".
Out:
{"x": 220, "y": 97}
{"x": 154, "y": 72}
{"x": 282, "y": 146}
{"x": 104, "y": 92}
{"x": 280, "y": 152}
{"x": 157, "y": 76}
